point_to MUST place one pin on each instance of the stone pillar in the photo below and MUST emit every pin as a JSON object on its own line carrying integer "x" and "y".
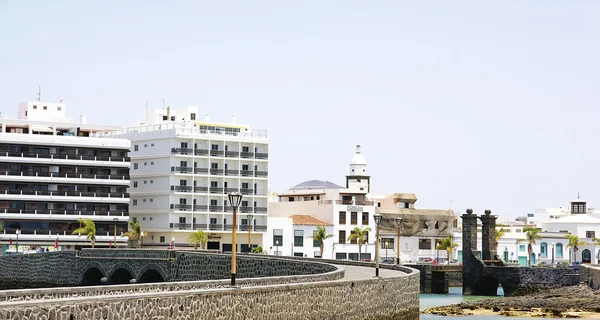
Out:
{"x": 488, "y": 235}
{"x": 469, "y": 232}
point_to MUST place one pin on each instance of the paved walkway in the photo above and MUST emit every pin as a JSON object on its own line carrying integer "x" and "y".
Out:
{"x": 361, "y": 273}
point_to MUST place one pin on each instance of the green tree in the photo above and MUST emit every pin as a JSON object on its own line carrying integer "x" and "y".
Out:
{"x": 258, "y": 250}
{"x": 359, "y": 234}
{"x": 198, "y": 238}
{"x": 531, "y": 234}
{"x": 500, "y": 233}
{"x": 320, "y": 235}
{"x": 574, "y": 243}
{"x": 448, "y": 245}
{"x": 1, "y": 226}
{"x": 135, "y": 233}
{"x": 87, "y": 228}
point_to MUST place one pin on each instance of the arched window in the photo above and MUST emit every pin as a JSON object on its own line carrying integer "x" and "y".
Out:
{"x": 559, "y": 250}
{"x": 544, "y": 249}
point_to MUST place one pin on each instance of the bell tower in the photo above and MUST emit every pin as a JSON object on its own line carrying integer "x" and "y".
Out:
{"x": 358, "y": 179}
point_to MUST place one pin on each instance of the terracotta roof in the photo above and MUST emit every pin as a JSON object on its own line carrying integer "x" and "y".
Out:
{"x": 307, "y": 220}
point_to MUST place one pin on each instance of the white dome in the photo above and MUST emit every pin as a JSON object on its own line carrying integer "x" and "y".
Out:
{"x": 358, "y": 158}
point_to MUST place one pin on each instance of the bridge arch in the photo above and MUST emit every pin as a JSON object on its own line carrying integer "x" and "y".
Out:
{"x": 121, "y": 273}
{"x": 152, "y": 272}
{"x": 92, "y": 274}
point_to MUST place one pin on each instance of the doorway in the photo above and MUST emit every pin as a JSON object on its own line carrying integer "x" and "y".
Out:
{"x": 586, "y": 256}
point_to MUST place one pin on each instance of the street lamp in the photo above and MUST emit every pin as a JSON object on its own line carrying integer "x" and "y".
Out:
{"x": 249, "y": 220}
{"x": 18, "y": 232}
{"x": 276, "y": 247}
{"x": 172, "y": 242}
{"x": 553, "y": 253}
{"x": 235, "y": 198}
{"x": 115, "y": 239}
{"x": 398, "y": 224}
{"x": 378, "y": 218}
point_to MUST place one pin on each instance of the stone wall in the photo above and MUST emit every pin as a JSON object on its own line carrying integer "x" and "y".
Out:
{"x": 39, "y": 270}
{"x": 522, "y": 280}
{"x": 109, "y": 290}
{"x": 389, "y": 298}
{"x": 590, "y": 275}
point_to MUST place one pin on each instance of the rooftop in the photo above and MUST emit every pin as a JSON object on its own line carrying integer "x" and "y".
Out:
{"x": 575, "y": 218}
{"x": 307, "y": 220}
{"x": 316, "y": 185}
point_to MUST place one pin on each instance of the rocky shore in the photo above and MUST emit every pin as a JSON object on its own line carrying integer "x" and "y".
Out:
{"x": 570, "y": 302}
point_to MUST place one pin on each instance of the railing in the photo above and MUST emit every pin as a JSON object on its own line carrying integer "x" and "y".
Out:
{"x": 215, "y": 226}
{"x": 246, "y": 173}
{"x": 65, "y": 175}
{"x": 216, "y": 208}
{"x": 189, "y": 170}
{"x": 66, "y": 194}
{"x": 65, "y": 212}
{"x": 181, "y": 150}
{"x": 260, "y": 173}
{"x": 245, "y": 191}
{"x": 227, "y": 172}
{"x": 216, "y": 171}
{"x": 183, "y": 128}
{"x": 260, "y": 228}
{"x": 245, "y": 210}
{"x": 261, "y": 155}
{"x": 181, "y": 188}
{"x": 216, "y": 190}
{"x": 228, "y": 190}
{"x": 260, "y": 209}
{"x": 200, "y": 225}
{"x": 247, "y": 155}
{"x": 201, "y": 152}
{"x": 62, "y": 157}
{"x": 181, "y": 206}
{"x": 232, "y": 172}
{"x": 347, "y": 202}
{"x": 228, "y": 227}
{"x": 180, "y": 225}
{"x": 232, "y": 154}
{"x": 217, "y": 153}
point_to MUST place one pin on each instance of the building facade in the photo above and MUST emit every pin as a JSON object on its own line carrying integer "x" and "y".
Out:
{"x": 54, "y": 172}
{"x": 182, "y": 171}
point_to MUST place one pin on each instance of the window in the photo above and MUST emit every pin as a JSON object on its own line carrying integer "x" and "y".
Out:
{"x": 342, "y": 237}
{"x": 135, "y": 184}
{"x": 151, "y": 181}
{"x": 152, "y": 144}
{"x": 192, "y": 116}
{"x": 143, "y": 200}
{"x": 518, "y": 230}
{"x": 136, "y": 148}
{"x": 341, "y": 256}
{"x": 590, "y": 234}
{"x": 354, "y": 240}
{"x": 342, "y": 217}
{"x": 162, "y": 238}
{"x": 424, "y": 244}
{"x": 213, "y": 184}
{"x": 152, "y": 163}
{"x": 365, "y": 218}
{"x": 151, "y": 200}
{"x": 58, "y": 108}
{"x": 245, "y": 149}
{"x": 184, "y": 145}
{"x": 145, "y": 145}
{"x": 214, "y": 165}
{"x": 135, "y": 166}
{"x": 213, "y": 202}
{"x": 521, "y": 248}
{"x": 387, "y": 243}
{"x": 245, "y": 167}
{"x": 214, "y": 147}
{"x": 45, "y": 107}
{"x": 145, "y": 181}
{"x": 135, "y": 202}
{"x": 145, "y": 163}
{"x": 316, "y": 242}
{"x": 353, "y": 218}
{"x": 143, "y": 218}
{"x": 150, "y": 218}
{"x": 34, "y": 107}
{"x": 298, "y": 238}
{"x": 530, "y": 215}
{"x": 182, "y": 219}
{"x": 277, "y": 237}
{"x": 406, "y": 205}
{"x": 544, "y": 249}
{"x": 559, "y": 250}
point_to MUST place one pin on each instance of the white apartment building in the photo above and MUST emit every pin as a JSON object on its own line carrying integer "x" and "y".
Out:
{"x": 182, "y": 171}
{"x": 54, "y": 171}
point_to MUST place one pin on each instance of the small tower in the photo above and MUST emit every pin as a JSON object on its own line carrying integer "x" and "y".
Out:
{"x": 358, "y": 179}
{"x": 578, "y": 206}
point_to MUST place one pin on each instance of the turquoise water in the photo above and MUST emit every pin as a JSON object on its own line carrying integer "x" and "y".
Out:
{"x": 454, "y": 297}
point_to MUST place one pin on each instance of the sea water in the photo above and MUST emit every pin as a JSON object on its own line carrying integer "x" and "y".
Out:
{"x": 455, "y": 296}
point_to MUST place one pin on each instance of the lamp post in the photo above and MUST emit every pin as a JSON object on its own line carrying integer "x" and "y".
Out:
{"x": 506, "y": 254}
{"x": 115, "y": 239}
{"x": 378, "y": 218}
{"x": 18, "y": 232}
{"x": 249, "y": 219}
{"x": 398, "y": 224}
{"x": 276, "y": 247}
{"x": 235, "y": 198}
{"x": 172, "y": 242}
{"x": 553, "y": 253}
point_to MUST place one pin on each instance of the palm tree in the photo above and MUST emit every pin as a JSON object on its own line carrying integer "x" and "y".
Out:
{"x": 87, "y": 228}
{"x": 448, "y": 245}
{"x": 1, "y": 226}
{"x": 321, "y": 235}
{"x": 135, "y": 233}
{"x": 258, "y": 250}
{"x": 499, "y": 235}
{"x": 359, "y": 234}
{"x": 531, "y": 234}
{"x": 198, "y": 238}
{"x": 574, "y": 243}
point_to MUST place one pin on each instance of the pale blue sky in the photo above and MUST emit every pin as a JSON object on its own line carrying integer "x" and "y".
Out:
{"x": 491, "y": 105}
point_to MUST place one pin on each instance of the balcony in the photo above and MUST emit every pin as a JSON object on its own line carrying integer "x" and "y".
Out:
{"x": 247, "y": 155}
{"x": 62, "y": 156}
{"x": 216, "y": 171}
{"x": 229, "y": 190}
{"x": 246, "y": 173}
{"x": 216, "y": 190}
{"x": 181, "y": 188}
{"x": 66, "y": 194}
{"x": 263, "y": 156}
{"x": 260, "y": 209}
{"x": 64, "y": 175}
{"x": 185, "y": 207}
{"x": 215, "y": 227}
{"x": 232, "y": 154}
{"x": 245, "y": 210}
{"x": 246, "y": 191}
{"x": 181, "y": 150}
{"x": 232, "y": 172}
{"x": 201, "y": 152}
{"x": 261, "y": 174}
{"x": 217, "y": 153}
{"x": 202, "y": 226}
{"x": 180, "y": 226}
{"x": 216, "y": 208}
{"x": 65, "y": 212}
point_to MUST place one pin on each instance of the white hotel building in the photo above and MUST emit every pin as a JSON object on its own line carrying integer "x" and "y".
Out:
{"x": 53, "y": 172}
{"x": 182, "y": 170}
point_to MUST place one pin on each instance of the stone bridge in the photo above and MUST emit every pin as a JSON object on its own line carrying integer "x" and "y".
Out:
{"x": 111, "y": 266}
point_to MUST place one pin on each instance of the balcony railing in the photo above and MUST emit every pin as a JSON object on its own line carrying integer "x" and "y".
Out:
{"x": 227, "y": 172}
{"x": 232, "y": 154}
{"x": 232, "y": 172}
{"x": 216, "y": 171}
{"x": 215, "y": 226}
{"x": 261, "y": 155}
{"x": 217, "y": 153}
{"x": 62, "y": 157}
{"x": 66, "y": 194}
{"x": 181, "y": 150}
{"x": 216, "y": 190}
{"x": 65, "y": 175}
{"x": 247, "y": 155}
{"x": 181, "y": 225}
{"x": 65, "y": 212}
{"x": 200, "y": 226}
{"x": 181, "y": 206}
{"x": 216, "y": 208}
{"x": 260, "y": 173}
{"x": 181, "y": 188}
{"x": 260, "y": 209}
{"x": 347, "y": 202}
{"x": 245, "y": 191}
{"x": 189, "y": 170}
{"x": 201, "y": 152}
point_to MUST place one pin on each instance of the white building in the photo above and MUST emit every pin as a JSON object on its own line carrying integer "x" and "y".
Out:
{"x": 53, "y": 172}
{"x": 182, "y": 170}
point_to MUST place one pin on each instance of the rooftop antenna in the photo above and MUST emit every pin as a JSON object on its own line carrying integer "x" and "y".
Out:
{"x": 577, "y": 194}
{"x": 39, "y": 93}
{"x": 146, "y": 117}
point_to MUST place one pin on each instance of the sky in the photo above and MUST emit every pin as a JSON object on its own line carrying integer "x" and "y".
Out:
{"x": 467, "y": 104}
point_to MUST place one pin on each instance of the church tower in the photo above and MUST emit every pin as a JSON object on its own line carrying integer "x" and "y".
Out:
{"x": 578, "y": 206}
{"x": 358, "y": 179}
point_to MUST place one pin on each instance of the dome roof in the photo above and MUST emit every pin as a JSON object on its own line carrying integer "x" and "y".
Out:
{"x": 358, "y": 158}
{"x": 316, "y": 185}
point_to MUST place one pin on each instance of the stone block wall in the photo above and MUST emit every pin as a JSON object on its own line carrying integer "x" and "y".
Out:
{"x": 590, "y": 275}
{"x": 39, "y": 270}
{"x": 522, "y": 280}
{"x": 389, "y": 298}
